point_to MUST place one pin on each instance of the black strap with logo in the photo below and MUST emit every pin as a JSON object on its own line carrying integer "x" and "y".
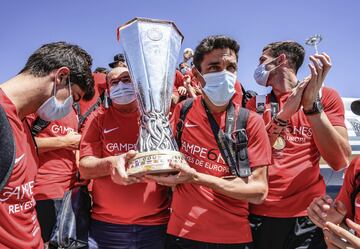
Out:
{"x": 38, "y": 125}
{"x": 232, "y": 144}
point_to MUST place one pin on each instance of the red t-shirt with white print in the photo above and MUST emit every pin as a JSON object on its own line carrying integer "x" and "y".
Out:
{"x": 109, "y": 132}
{"x": 57, "y": 168}
{"x": 294, "y": 176}
{"x": 200, "y": 213}
{"x": 349, "y": 187}
{"x": 19, "y": 227}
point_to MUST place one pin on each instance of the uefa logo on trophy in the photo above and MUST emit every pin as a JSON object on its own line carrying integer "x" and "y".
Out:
{"x": 151, "y": 49}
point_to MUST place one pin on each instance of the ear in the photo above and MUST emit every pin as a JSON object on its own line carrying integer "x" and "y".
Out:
{"x": 61, "y": 75}
{"x": 198, "y": 75}
{"x": 281, "y": 59}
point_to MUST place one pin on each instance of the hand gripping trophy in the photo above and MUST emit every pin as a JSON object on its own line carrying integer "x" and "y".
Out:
{"x": 151, "y": 49}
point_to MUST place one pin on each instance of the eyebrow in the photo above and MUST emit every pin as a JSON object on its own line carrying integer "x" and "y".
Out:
{"x": 214, "y": 63}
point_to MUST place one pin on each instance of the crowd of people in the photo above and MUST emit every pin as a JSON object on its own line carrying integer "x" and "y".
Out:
{"x": 253, "y": 177}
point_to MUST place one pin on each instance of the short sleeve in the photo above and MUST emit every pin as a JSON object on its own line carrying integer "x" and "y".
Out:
{"x": 91, "y": 144}
{"x": 259, "y": 149}
{"x": 333, "y": 107}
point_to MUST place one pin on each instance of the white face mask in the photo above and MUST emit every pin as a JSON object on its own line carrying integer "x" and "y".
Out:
{"x": 52, "y": 109}
{"x": 122, "y": 93}
{"x": 220, "y": 87}
{"x": 261, "y": 75}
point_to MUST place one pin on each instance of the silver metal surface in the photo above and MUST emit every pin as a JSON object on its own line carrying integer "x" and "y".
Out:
{"x": 151, "y": 49}
{"x": 314, "y": 41}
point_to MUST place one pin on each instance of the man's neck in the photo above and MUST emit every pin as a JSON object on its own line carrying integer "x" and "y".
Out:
{"x": 27, "y": 92}
{"x": 284, "y": 83}
{"x": 213, "y": 108}
{"x": 128, "y": 108}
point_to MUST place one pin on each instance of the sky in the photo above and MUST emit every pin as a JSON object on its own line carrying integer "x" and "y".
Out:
{"x": 26, "y": 25}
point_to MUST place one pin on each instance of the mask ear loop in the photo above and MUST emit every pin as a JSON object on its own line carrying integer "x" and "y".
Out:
{"x": 69, "y": 82}
{"x": 201, "y": 76}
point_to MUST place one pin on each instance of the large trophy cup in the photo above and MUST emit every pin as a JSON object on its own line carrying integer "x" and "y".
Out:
{"x": 151, "y": 49}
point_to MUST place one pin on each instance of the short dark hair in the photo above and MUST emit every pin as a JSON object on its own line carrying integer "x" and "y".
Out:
{"x": 294, "y": 52}
{"x": 55, "y": 55}
{"x": 101, "y": 70}
{"x": 214, "y": 42}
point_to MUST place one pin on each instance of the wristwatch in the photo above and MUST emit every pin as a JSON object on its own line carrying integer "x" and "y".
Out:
{"x": 316, "y": 108}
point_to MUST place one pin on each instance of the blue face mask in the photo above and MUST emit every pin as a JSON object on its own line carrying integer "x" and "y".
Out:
{"x": 261, "y": 75}
{"x": 52, "y": 109}
{"x": 122, "y": 93}
{"x": 184, "y": 70}
{"x": 220, "y": 87}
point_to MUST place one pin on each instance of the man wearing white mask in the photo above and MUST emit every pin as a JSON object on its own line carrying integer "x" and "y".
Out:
{"x": 54, "y": 76}
{"x": 126, "y": 213}
{"x": 210, "y": 200}
{"x": 302, "y": 126}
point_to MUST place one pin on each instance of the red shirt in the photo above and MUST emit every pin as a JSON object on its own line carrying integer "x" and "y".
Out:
{"x": 19, "y": 227}
{"x": 109, "y": 132}
{"x": 57, "y": 168}
{"x": 200, "y": 213}
{"x": 100, "y": 86}
{"x": 179, "y": 79}
{"x": 348, "y": 188}
{"x": 294, "y": 176}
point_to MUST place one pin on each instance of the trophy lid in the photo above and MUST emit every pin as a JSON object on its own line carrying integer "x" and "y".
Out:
{"x": 142, "y": 19}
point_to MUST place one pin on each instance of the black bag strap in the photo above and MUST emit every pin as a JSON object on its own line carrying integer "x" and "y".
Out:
{"x": 82, "y": 118}
{"x": 180, "y": 124}
{"x": 231, "y": 150}
{"x": 274, "y": 105}
{"x": 241, "y": 143}
{"x": 38, "y": 125}
{"x": 8, "y": 149}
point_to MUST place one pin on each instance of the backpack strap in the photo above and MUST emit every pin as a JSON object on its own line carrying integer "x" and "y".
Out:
{"x": 247, "y": 95}
{"x": 7, "y": 156}
{"x": 241, "y": 143}
{"x": 82, "y": 118}
{"x": 180, "y": 124}
{"x": 38, "y": 125}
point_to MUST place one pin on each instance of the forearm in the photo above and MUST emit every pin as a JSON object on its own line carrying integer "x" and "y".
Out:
{"x": 191, "y": 92}
{"x": 45, "y": 144}
{"x": 251, "y": 190}
{"x": 92, "y": 167}
{"x": 329, "y": 141}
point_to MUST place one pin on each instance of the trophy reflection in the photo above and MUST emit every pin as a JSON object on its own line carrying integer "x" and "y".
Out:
{"x": 151, "y": 49}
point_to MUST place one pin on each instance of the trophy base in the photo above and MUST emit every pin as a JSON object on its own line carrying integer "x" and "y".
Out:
{"x": 154, "y": 163}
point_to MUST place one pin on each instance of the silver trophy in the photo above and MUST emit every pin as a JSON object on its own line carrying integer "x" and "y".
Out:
{"x": 151, "y": 49}
{"x": 314, "y": 41}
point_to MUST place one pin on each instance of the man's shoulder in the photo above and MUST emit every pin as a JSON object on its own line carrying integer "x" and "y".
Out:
{"x": 328, "y": 92}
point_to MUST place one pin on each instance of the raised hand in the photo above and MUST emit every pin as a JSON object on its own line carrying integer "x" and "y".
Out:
{"x": 323, "y": 209}
{"x": 319, "y": 68}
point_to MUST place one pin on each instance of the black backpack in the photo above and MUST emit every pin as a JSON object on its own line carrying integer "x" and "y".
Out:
{"x": 8, "y": 149}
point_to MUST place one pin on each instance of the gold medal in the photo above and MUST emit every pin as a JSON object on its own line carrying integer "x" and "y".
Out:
{"x": 279, "y": 143}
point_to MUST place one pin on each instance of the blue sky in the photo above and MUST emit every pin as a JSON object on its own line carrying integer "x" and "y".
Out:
{"x": 25, "y": 25}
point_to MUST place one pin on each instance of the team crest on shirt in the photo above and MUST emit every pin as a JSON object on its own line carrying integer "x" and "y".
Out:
{"x": 61, "y": 130}
{"x": 120, "y": 147}
{"x": 297, "y": 134}
{"x": 207, "y": 159}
